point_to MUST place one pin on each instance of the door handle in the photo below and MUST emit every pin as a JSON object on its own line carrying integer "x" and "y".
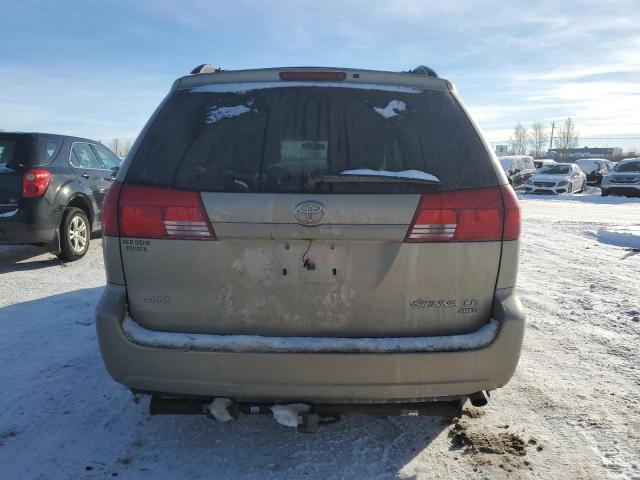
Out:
{"x": 85, "y": 175}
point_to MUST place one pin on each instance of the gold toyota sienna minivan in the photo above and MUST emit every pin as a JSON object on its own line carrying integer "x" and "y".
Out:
{"x": 338, "y": 238}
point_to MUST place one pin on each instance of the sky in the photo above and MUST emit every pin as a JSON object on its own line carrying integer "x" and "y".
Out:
{"x": 98, "y": 69}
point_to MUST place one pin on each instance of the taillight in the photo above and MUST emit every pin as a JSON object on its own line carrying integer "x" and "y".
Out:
{"x": 511, "y": 213}
{"x": 477, "y": 215}
{"x": 153, "y": 212}
{"x": 35, "y": 182}
{"x": 110, "y": 211}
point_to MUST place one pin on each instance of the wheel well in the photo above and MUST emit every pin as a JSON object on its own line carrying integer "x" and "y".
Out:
{"x": 84, "y": 205}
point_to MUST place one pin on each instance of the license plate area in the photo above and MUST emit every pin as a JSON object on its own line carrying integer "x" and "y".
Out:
{"x": 315, "y": 262}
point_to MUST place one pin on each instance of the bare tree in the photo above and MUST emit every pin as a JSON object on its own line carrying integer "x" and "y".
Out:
{"x": 125, "y": 148}
{"x": 519, "y": 140}
{"x": 538, "y": 139}
{"x": 115, "y": 145}
{"x": 567, "y": 137}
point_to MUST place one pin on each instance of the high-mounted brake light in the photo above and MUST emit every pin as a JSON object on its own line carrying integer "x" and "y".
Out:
{"x": 153, "y": 212}
{"x": 477, "y": 215}
{"x": 35, "y": 182}
{"x": 312, "y": 76}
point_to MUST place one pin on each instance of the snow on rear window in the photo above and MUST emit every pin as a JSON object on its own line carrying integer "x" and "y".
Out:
{"x": 218, "y": 113}
{"x": 247, "y": 87}
{"x": 588, "y": 166}
{"x": 417, "y": 174}
{"x": 393, "y": 109}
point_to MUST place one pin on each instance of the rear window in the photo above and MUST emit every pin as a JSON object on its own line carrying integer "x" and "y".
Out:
{"x": 15, "y": 151}
{"x": 556, "y": 169}
{"x": 276, "y": 139}
{"x": 628, "y": 167}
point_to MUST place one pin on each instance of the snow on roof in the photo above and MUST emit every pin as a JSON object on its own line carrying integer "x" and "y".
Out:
{"x": 589, "y": 165}
{"x": 506, "y": 162}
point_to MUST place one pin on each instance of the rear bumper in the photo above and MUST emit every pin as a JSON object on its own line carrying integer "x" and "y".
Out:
{"x": 314, "y": 377}
{"x": 24, "y": 225}
{"x": 618, "y": 189}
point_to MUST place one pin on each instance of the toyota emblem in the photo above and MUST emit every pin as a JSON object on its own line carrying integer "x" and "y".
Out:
{"x": 309, "y": 213}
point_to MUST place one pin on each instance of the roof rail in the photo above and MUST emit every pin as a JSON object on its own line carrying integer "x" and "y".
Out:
{"x": 205, "y": 68}
{"x": 424, "y": 70}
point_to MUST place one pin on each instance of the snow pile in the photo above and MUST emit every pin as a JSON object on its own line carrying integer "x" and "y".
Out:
{"x": 393, "y": 109}
{"x": 622, "y": 236}
{"x": 247, "y": 87}
{"x": 255, "y": 343}
{"x": 218, "y": 113}
{"x": 289, "y": 415}
{"x": 590, "y": 198}
{"x": 219, "y": 408}
{"x": 417, "y": 174}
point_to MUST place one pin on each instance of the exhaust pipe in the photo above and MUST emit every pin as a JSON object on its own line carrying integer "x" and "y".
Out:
{"x": 479, "y": 399}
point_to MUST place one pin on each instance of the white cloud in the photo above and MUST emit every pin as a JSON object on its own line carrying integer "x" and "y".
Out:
{"x": 512, "y": 62}
{"x": 97, "y": 105}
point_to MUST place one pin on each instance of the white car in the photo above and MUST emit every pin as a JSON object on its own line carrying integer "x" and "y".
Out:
{"x": 557, "y": 178}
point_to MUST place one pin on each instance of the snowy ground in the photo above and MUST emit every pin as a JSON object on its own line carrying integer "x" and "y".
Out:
{"x": 571, "y": 411}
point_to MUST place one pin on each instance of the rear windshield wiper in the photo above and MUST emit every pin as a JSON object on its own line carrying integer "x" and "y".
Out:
{"x": 348, "y": 178}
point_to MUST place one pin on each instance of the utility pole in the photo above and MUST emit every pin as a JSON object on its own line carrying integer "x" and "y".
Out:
{"x": 553, "y": 124}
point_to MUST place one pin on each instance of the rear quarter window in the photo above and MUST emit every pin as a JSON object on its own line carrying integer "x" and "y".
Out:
{"x": 47, "y": 150}
{"x": 274, "y": 139}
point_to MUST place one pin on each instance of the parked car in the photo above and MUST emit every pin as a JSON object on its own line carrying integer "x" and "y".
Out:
{"x": 519, "y": 168}
{"x": 558, "y": 178}
{"x": 541, "y": 162}
{"x": 51, "y": 190}
{"x": 624, "y": 179}
{"x": 595, "y": 169}
{"x": 309, "y": 235}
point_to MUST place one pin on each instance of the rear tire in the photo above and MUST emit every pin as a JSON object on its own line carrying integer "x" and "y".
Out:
{"x": 75, "y": 234}
{"x": 583, "y": 187}
{"x": 604, "y": 192}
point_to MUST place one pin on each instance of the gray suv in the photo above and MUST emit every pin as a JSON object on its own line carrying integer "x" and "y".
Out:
{"x": 334, "y": 237}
